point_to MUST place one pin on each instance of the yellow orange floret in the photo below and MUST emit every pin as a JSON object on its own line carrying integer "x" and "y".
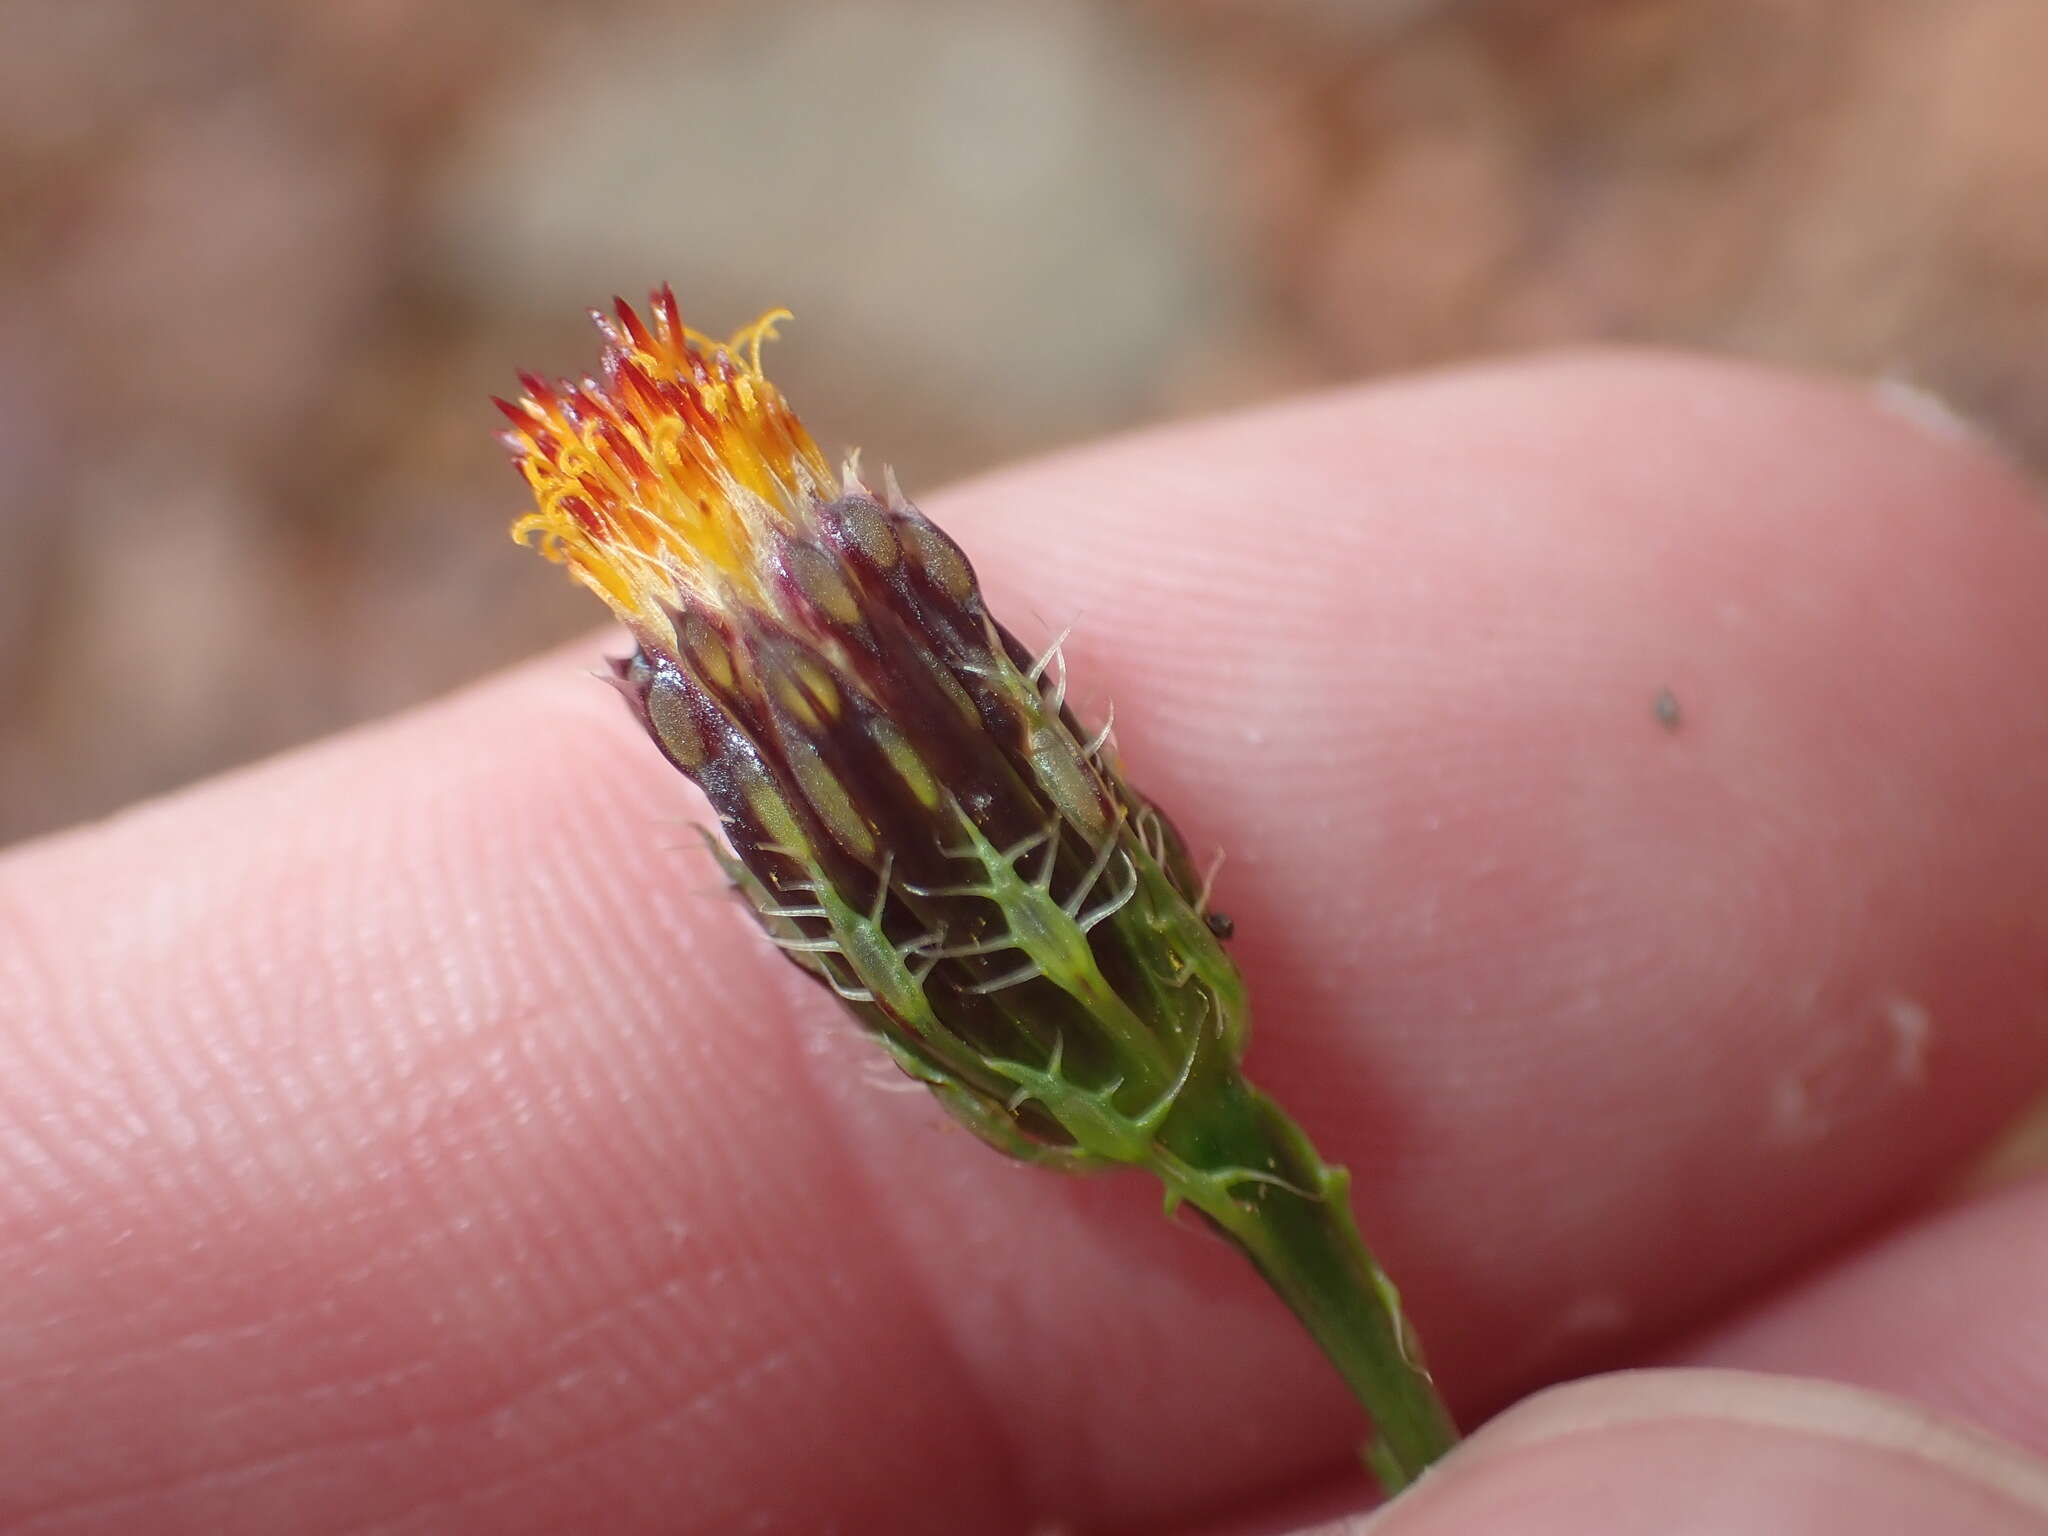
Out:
{"x": 670, "y": 473}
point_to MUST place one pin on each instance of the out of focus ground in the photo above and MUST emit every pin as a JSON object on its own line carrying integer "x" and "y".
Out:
{"x": 260, "y": 266}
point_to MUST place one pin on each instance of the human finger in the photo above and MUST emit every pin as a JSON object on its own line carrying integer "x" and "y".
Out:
{"x": 1702, "y": 1453}
{"x": 401, "y": 1135}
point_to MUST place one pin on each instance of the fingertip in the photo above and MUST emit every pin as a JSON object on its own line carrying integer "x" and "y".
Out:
{"x": 1721, "y": 1451}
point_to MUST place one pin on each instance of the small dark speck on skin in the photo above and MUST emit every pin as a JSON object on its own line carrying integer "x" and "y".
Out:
{"x": 1220, "y": 924}
{"x": 1666, "y": 709}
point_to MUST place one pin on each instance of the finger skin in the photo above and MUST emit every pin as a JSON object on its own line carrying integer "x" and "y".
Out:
{"x": 1712, "y": 1453}
{"x": 403, "y": 1135}
{"x": 1952, "y": 1313}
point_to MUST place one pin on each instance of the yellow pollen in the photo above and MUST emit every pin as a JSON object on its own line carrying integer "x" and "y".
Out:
{"x": 672, "y": 472}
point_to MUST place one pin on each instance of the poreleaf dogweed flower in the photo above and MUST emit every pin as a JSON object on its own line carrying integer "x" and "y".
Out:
{"x": 915, "y": 816}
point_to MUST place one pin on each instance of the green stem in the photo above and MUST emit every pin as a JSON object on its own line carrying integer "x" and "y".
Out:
{"x": 1223, "y": 1156}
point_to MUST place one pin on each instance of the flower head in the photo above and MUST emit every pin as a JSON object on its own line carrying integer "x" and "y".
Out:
{"x": 910, "y": 807}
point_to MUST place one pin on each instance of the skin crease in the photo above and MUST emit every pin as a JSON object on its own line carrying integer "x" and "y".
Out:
{"x": 406, "y": 1136}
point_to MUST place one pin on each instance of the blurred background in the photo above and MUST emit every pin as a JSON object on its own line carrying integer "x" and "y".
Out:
{"x": 261, "y": 264}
